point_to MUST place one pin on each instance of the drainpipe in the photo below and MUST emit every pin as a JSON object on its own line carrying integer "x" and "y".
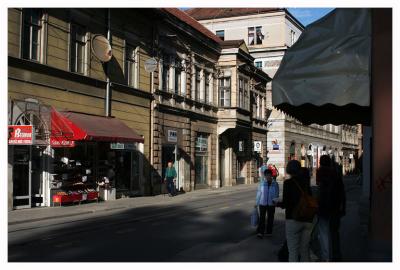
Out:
{"x": 108, "y": 90}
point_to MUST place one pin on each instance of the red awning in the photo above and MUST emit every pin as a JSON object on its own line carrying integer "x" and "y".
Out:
{"x": 73, "y": 126}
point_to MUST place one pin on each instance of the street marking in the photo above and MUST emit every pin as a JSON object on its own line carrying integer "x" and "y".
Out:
{"x": 225, "y": 207}
{"x": 238, "y": 204}
{"x": 125, "y": 231}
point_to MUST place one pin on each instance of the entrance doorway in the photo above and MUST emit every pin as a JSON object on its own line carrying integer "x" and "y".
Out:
{"x": 170, "y": 153}
{"x": 27, "y": 176}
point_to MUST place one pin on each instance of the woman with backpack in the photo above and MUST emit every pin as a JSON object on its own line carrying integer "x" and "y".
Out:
{"x": 298, "y": 225}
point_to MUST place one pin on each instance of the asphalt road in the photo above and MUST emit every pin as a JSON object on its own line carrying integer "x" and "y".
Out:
{"x": 212, "y": 228}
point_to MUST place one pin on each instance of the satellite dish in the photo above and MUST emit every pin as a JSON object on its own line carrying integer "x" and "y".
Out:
{"x": 150, "y": 65}
{"x": 101, "y": 48}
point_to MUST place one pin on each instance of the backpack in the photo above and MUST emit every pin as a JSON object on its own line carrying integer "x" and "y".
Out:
{"x": 306, "y": 208}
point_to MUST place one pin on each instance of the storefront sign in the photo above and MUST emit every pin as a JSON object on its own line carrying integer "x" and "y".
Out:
{"x": 122, "y": 146}
{"x": 59, "y": 142}
{"x": 21, "y": 135}
{"x": 275, "y": 147}
{"x": 257, "y": 146}
{"x": 172, "y": 136}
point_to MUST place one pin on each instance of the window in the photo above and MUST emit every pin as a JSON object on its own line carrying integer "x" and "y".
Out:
{"x": 32, "y": 27}
{"x": 197, "y": 89}
{"x": 292, "y": 37}
{"x": 243, "y": 97}
{"x": 78, "y": 49}
{"x": 225, "y": 92}
{"x": 177, "y": 85}
{"x": 246, "y": 95}
{"x": 165, "y": 73}
{"x": 220, "y": 34}
{"x": 258, "y": 64}
{"x": 241, "y": 94}
{"x": 207, "y": 79}
{"x": 255, "y": 35}
{"x": 131, "y": 67}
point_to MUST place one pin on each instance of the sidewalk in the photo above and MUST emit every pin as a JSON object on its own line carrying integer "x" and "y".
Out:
{"x": 44, "y": 213}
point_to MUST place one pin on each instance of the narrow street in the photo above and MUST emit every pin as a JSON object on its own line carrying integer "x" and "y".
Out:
{"x": 210, "y": 227}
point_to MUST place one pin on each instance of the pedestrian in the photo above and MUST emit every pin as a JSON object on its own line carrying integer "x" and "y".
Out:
{"x": 275, "y": 172}
{"x": 262, "y": 169}
{"x": 298, "y": 230}
{"x": 267, "y": 192}
{"x": 170, "y": 175}
{"x": 331, "y": 207}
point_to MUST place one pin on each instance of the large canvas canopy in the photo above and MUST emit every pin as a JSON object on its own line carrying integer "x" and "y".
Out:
{"x": 325, "y": 76}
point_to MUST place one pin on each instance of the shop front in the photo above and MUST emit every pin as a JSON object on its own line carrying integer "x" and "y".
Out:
{"x": 95, "y": 158}
{"x": 68, "y": 157}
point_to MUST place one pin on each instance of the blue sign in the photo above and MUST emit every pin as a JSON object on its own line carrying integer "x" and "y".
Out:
{"x": 275, "y": 147}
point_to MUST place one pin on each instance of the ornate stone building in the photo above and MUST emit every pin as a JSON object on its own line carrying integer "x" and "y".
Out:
{"x": 268, "y": 32}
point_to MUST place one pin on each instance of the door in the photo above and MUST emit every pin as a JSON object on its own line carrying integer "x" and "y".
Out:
{"x": 22, "y": 177}
{"x": 201, "y": 170}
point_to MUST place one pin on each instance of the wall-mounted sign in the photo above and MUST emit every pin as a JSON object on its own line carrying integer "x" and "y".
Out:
{"x": 60, "y": 142}
{"x": 21, "y": 135}
{"x": 150, "y": 65}
{"x": 257, "y": 146}
{"x": 275, "y": 144}
{"x": 241, "y": 146}
{"x": 122, "y": 146}
{"x": 351, "y": 156}
{"x": 172, "y": 136}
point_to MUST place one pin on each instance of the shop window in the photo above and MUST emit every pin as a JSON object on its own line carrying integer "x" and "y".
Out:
{"x": 220, "y": 34}
{"x": 225, "y": 92}
{"x": 255, "y": 35}
{"x": 77, "y": 49}
{"x": 201, "y": 159}
{"x": 131, "y": 65}
{"x": 31, "y": 34}
{"x": 258, "y": 64}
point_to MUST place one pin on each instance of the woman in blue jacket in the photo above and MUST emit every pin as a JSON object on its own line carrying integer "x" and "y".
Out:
{"x": 267, "y": 191}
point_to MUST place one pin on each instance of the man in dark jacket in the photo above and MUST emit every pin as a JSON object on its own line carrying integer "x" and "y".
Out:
{"x": 331, "y": 207}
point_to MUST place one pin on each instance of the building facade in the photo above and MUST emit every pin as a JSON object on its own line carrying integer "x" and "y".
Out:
{"x": 268, "y": 33}
{"x": 202, "y": 107}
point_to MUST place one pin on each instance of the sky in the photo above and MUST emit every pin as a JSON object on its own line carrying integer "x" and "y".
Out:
{"x": 309, "y": 15}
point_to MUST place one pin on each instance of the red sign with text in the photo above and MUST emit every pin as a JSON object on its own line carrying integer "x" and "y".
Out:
{"x": 20, "y": 135}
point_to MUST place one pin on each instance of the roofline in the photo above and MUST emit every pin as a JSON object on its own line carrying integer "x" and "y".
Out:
{"x": 240, "y": 15}
{"x": 294, "y": 18}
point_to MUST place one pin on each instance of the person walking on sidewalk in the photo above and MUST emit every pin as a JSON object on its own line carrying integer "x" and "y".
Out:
{"x": 267, "y": 192}
{"x": 170, "y": 175}
{"x": 331, "y": 207}
{"x": 298, "y": 231}
{"x": 262, "y": 169}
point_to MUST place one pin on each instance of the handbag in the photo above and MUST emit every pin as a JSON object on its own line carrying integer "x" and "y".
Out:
{"x": 254, "y": 217}
{"x": 307, "y": 207}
